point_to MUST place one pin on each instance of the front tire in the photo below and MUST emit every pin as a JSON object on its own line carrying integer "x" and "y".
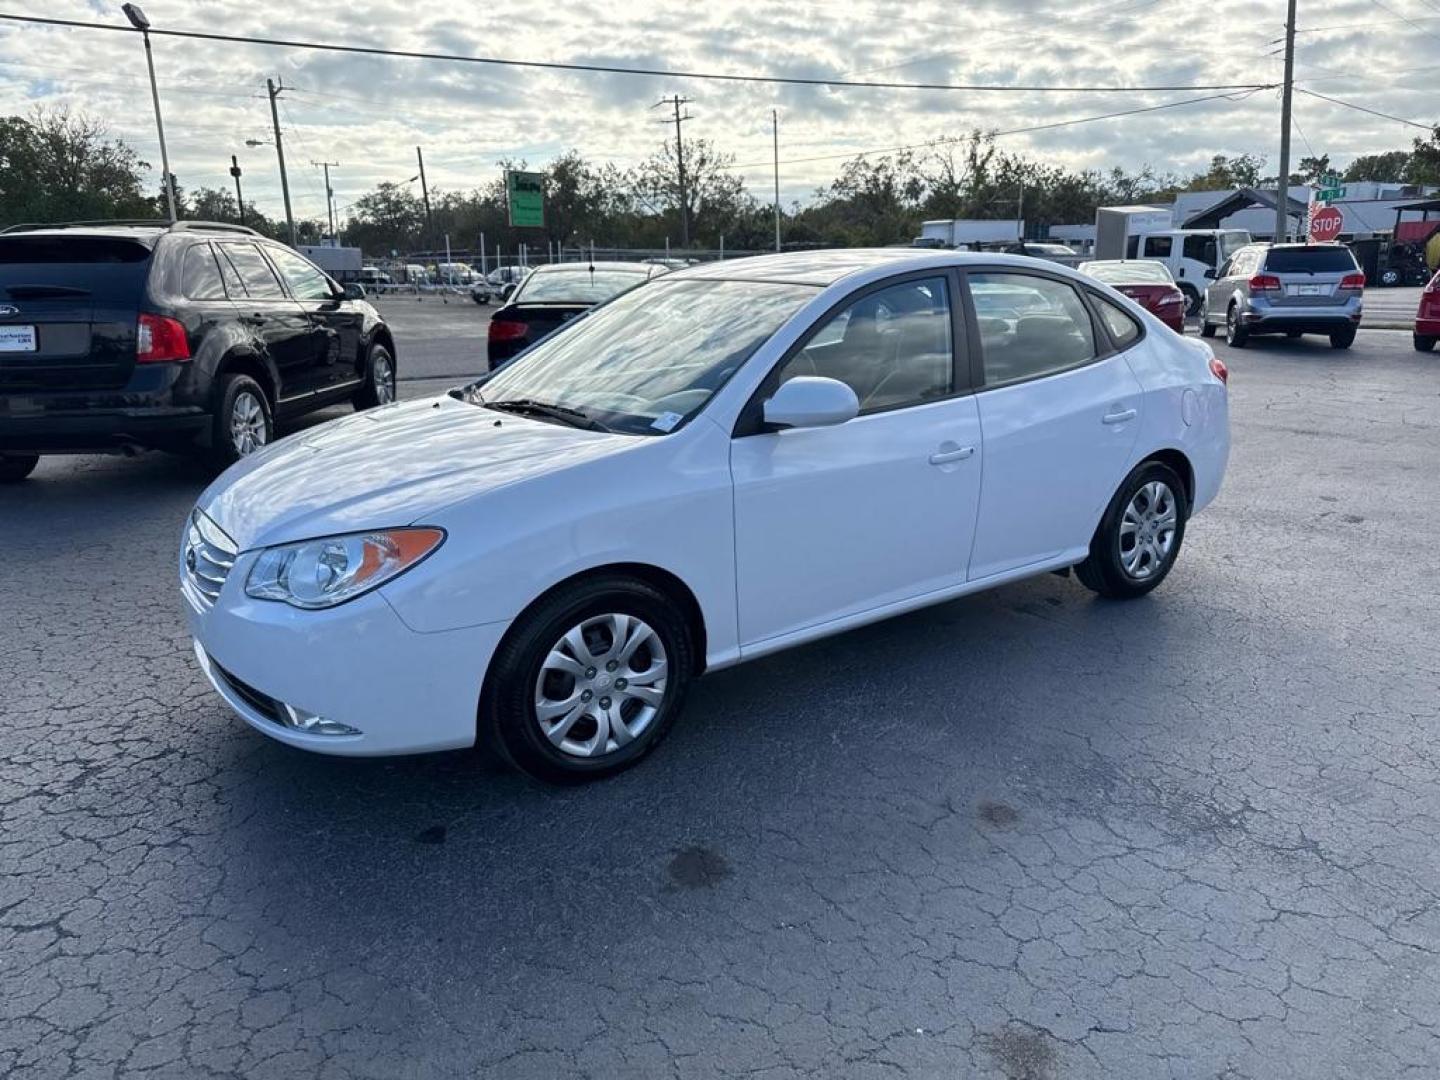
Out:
{"x": 1235, "y": 334}
{"x": 16, "y": 467}
{"x": 1139, "y": 538}
{"x": 589, "y": 681}
{"x": 1425, "y": 342}
{"x": 380, "y": 380}
{"x": 1342, "y": 339}
{"x": 243, "y": 422}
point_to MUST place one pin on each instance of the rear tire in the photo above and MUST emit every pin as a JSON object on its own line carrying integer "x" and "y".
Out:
{"x": 1139, "y": 538}
{"x": 557, "y": 702}
{"x": 1235, "y": 334}
{"x": 1342, "y": 339}
{"x": 243, "y": 422}
{"x": 16, "y": 467}
{"x": 1425, "y": 342}
{"x": 1192, "y": 299}
{"x": 380, "y": 380}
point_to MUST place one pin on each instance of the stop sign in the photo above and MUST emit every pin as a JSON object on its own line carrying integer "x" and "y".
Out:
{"x": 1326, "y": 223}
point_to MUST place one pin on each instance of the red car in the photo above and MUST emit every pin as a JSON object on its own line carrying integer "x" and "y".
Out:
{"x": 1148, "y": 283}
{"x": 1427, "y": 319}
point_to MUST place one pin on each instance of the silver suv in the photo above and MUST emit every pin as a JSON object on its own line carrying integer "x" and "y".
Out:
{"x": 1289, "y": 289}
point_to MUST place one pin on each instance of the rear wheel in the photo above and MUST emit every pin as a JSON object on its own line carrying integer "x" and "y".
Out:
{"x": 1207, "y": 328}
{"x": 16, "y": 467}
{"x": 242, "y": 423}
{"x": 1139, "y": 538}
{"x": 1425, "y": 342}
{"x": 1235, "y": 334}
{"x": 1192, "y": 299}
{"x": 379, "y": 388}
{"x": 588, "y": 682}
{"x": 1343, "y": 339}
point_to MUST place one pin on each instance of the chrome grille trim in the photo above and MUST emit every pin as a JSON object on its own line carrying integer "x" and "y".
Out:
{"x": 209, "y": 556}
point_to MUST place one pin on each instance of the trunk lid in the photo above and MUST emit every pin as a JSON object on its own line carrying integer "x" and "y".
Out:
{"x": 540, "y": 319}
{"x": 1310, "y": 276}
{"x": 68, "y": 305}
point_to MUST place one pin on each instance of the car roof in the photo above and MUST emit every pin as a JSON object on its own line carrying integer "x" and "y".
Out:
{"x": 827, "y": 267}
{"x": 633, "y": 267}
{"x": 143, "y": 230}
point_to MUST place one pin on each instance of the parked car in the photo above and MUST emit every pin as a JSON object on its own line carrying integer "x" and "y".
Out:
{"x": 503, "y": 279}
{"x": 718, "y": 464}
{"x": 189, "y": 336}
{"x": 1148, "y": 283}
{"x": 1427, "y": 319}
{"x": 373, "y": 276}
{"x": 1289, "y": 289}
{"x": 481, "y": 291}
{"x": 553, "y": 295}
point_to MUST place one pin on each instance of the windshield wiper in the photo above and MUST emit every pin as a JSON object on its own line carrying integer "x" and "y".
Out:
{"x": 563, "y": 413}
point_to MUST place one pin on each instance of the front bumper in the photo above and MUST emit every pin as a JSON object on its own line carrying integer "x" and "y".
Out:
{"x": 358, "y": 664}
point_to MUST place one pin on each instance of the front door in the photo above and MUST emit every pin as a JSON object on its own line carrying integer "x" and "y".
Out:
{"x": 278, "y": 324}
{"x": 1060, "y": 420}
{"x": 834, "y": 521}
{"x": 334, "y": 321}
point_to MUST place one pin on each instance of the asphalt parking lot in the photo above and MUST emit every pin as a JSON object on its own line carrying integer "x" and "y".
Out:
{"x": 1027, "y": 835}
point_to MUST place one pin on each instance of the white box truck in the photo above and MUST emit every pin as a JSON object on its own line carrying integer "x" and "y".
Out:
{"x": 1145, "y": 232}
{"x": 968, "y": 232}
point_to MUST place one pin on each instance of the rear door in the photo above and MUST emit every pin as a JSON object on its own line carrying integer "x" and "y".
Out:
{"x": 1310, "y": 276}
{"x": 68, "y": 305}
{"x": 278, "y": 325}
{"x": 335, "y": 322}
{"x": 1059, "y": 410}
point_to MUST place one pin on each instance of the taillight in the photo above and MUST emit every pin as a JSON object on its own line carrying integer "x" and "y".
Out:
{"x": 1219, "y": 370}
{"x": 1174, "y": 296}
{"x": 1353, "y": 281}
{"x": 1264, "y": 283}
{"x": 159, "y": 340}
{"x": 505, "y": 330}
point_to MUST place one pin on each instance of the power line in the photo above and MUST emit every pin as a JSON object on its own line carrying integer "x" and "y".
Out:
{"x": 1012, "y": 131}
{"x": 611, "y": 69}
{"x": 1363, "y": 109}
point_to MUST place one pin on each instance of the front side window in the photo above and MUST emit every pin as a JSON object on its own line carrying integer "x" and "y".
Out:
{"x": 259, "y": 280}
{"x": 305, "y": 281}
{"x": 1029, "y": 326}
{"x": 1201, "y": 249}
{"x": 892, "y": 347}
{"x": 647, "y": 361}
{"x": 200, "y": 276}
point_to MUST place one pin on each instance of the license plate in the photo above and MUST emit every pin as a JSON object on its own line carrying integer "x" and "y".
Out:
{"x": 17, "y": 339}
{"x": 1309, "y": 290}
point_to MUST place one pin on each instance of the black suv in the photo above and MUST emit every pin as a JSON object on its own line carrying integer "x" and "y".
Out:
{"x": 187, "y": 336}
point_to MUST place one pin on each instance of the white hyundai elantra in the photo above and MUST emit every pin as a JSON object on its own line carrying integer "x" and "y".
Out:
{"x": 726, "y": 461}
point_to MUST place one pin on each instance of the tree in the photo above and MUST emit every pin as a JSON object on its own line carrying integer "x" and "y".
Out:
{"x": 390, "y": 217}
{"x": 1389, "y": 166}
{"x": 1424, "y": 164}
{"x": 713, "y": 194}
{"x": 56, "y": 165}
{"x": 1314, "y": 168}
{"x": 1242, "y": 170}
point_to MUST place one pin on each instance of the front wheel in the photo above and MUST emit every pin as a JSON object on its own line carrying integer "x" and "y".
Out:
{"x": 380, "y": 381}
{"x": 16, "y": 467}
{"x": 589, "y": 681}
{"x": 1425, "y": 342}
{"x": 1139, "y": 538}
{"x": 1343, "y": 339}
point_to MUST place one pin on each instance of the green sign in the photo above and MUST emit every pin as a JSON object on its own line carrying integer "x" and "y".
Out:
{"x": 525, "y": 195}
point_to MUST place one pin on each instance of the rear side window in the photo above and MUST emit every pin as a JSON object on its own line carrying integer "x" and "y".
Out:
{"x": 1157, "y": 247}
{"x": 306, "y": 282}
{"x": 1029, "y": 326}
{"x": 260, "y": 281}
{"x": 200, "y": 277}
{"x": 1124, "y": 329}
{"x": 1314, "y": 260}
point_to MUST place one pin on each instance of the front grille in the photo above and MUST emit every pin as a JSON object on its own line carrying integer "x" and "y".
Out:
{"x": 262, "y": 703}
{"x": 209, "y": 554}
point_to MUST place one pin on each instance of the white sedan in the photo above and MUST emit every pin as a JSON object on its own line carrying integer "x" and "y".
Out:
{"x": 723, "y": 462}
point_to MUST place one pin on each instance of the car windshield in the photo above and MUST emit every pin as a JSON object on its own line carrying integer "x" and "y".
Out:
{"x": 1313, "y": 260}
{"x": 648, "y": 361}
{"x": 1138, "y": 272}
{"x": 579, "y": 286}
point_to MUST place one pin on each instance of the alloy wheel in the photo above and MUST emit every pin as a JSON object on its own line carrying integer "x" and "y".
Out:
{"x": 247, "y": 423}
{"x": 601, "y": 685}
{"x": 384, "y": 376}
{"x": 1147, "y": 530}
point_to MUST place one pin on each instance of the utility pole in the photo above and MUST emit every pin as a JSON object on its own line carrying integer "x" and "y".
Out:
{"x": 275, "y": 92}
{"x": 678, "y": 103}
{"x": 425, "y": 192}
{"x": 329, "y": 195}
{"x": 1282, "y": 187}
{"x": 775, "y": 132}
{"x": 239, "y": 200}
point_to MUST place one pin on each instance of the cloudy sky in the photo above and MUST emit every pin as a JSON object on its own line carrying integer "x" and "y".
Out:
{"x": 369, "y": 113}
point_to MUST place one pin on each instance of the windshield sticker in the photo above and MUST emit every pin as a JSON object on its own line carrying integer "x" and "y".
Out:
{"x": 666, "y": 421}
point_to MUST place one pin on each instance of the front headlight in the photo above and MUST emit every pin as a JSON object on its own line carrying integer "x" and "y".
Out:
{"x": 325, "y": 572}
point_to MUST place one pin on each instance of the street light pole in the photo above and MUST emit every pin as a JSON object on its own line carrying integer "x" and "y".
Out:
{"x": 280, "y": 153}
{"x": 140, "y": 22}
{"x": 239, "y": 199}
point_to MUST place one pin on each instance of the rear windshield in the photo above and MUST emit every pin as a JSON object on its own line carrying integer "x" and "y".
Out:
{"x": 103, "y": 268}
{"x": 1314, "y": 260}
{"x": 1137, "y": 272}
{"x": 580, "y": 286}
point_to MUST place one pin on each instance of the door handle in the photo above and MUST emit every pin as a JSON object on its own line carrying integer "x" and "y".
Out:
{"x": 1119, "y": 417}
{"x": 944, "y": 457}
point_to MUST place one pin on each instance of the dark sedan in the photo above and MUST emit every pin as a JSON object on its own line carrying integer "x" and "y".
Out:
{"x": 1148, "y": 283}
{"x": 553, "y": 295}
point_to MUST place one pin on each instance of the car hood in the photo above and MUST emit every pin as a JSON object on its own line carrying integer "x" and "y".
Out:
{"x": 388, "y": 466}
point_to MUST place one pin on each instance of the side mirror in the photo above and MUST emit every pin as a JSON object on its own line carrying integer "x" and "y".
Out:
{"x": 811, "y": 401}
{"x": 354, "y": 291}
{"x": 1210, "y": 273}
